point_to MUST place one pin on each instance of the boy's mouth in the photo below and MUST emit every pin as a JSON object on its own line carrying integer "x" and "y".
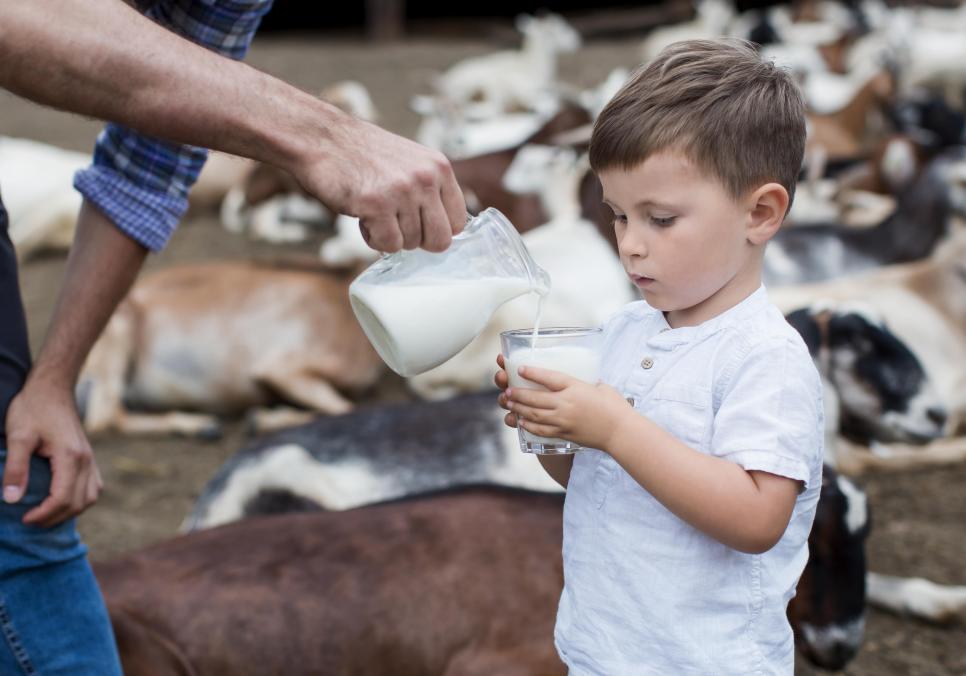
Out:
{"x": 641, "y": 280}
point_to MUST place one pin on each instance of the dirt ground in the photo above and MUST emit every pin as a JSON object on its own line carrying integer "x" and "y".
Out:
{"x": 919, "y": 525}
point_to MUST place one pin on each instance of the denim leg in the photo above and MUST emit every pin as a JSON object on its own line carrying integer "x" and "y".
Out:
{"x": 52, "y": 615}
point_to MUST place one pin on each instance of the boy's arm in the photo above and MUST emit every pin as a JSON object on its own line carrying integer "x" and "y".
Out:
{"x": 746, "y": 510}
{"x": 557, "y": 466}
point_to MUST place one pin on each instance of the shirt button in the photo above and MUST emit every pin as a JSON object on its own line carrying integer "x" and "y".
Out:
{"x": 629, "y": 400}
{"x": 647, "y": 363}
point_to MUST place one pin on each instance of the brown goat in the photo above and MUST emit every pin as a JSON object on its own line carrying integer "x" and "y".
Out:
{"x": 458, "y": 583}
{"x": 455, "y": 585}
{"x": 223, "y": 337}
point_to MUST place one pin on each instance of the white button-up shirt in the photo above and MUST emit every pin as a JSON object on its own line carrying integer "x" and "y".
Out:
{"x": 646, "y": 593}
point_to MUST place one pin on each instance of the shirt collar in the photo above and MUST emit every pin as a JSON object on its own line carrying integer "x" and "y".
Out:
{"x": 669, "y": 338}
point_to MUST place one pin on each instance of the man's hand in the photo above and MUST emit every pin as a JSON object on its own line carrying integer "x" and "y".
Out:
{"x": 570, "y": 408}
{"x": 42, "y": 419}
{"x": 404, "y": 194}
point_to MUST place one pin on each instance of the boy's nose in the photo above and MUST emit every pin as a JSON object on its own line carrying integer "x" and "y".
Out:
{"x": 632, "y": 245}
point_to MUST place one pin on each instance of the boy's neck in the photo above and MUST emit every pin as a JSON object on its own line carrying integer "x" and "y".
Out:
{"x": 740, "y": 287}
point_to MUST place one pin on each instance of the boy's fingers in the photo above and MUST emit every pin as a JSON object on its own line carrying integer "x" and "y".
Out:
{"x": 552, "y": 380}
{"x": 538, "y": 415}
{"x": 510, "y": 420}
{"x": 501, "y": 380}
{"x": 539, "y": 430}
{"x": 500, "y": 361}
{"x": 529, "y": 397}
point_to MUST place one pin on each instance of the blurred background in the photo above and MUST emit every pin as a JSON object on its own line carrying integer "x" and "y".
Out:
{"x": 883, "y": 188}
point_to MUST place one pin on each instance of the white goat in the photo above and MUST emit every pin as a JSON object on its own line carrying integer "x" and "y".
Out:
{"x": 38, "y": 193}
{"x": 589, "y": 283}
{"x": 510, "y": 80}
{"x": 712, "y": 21}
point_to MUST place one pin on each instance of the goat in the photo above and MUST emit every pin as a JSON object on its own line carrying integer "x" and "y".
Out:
{"x": 924, "y": 208}
{"x": 221, "y": 337}
{"x": 385, "y": 452}
{"x": 874, "y": 387}
{"x": 924, "y": 306}
{"x": 38, "y": 193}
{"x": 476, "y": 570}
{"x": 918, "y": 597}
{"x": 507, "y": 81}
{"x": 712, "y": 21}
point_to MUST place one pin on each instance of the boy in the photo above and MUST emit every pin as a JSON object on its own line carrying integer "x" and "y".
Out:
{"x": 686, "y": 532}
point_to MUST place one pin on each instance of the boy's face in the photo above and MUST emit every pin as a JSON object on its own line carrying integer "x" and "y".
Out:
{"x": 681, "y": 238}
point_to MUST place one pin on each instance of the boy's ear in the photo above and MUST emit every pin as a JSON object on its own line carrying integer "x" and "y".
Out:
{"x": 767, "y": 211}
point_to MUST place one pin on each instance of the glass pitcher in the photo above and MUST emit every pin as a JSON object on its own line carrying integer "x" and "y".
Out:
{"x": 419, "y": 308}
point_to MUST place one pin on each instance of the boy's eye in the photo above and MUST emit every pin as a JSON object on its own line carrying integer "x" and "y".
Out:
{"x": 663, "y": 222}
{"x": 619, "y": 218}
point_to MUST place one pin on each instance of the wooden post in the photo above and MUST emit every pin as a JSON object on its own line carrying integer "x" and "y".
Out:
{"x": 385, "y": 19}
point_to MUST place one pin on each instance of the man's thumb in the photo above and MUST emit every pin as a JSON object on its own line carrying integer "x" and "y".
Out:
{"x": 16, "y": 471}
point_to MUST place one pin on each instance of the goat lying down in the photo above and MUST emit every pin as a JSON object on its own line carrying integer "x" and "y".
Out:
{"x": 923, "y": 305}
{"x": 463, "y": 582}
{"x": 461, "y": 585}
{"x": 386, "y": 452}
{"x": 220, "y": 338}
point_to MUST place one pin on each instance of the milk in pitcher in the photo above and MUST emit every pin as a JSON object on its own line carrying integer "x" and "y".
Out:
{"x": 416, "y": 327}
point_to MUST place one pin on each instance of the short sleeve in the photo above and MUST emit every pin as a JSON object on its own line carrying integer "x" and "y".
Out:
{"x": 771, "y": 417}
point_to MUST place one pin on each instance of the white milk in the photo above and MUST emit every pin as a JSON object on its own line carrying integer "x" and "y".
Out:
{"x": 415, "y": 327}
{"x": 580, "y": 362}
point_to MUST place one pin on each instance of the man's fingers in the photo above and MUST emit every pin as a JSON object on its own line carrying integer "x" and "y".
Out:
{"x": 437, "y": 232}
{"x": 384, "y": 233}
{"x": 453, "y": 201}
{"x": 64, "y": 468}
{"x": 411, "y": 227}
{"x": 16, "y": 470}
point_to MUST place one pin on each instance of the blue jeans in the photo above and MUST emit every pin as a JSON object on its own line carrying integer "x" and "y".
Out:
{"x": 52, "y": 615}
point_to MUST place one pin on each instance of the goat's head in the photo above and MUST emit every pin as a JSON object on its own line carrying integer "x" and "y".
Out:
{"x": 828, "y": 611}
{"x": 884, "y": 391}
{"x": 549, "y": 31}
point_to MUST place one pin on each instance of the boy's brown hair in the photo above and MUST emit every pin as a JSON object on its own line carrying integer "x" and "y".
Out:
{"x": 738, "y": 118}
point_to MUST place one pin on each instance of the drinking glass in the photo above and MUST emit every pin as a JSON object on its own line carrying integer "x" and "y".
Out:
{"x": 574, "y": 351}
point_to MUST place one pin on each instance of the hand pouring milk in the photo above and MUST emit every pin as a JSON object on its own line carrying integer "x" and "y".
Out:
{"x": 418, "y": 308}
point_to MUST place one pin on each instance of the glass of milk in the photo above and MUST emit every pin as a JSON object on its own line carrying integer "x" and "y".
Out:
{"x": 574, "y": 351}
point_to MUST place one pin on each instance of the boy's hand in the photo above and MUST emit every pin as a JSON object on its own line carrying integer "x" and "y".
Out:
{"x": 502, "y": 381}
{"x": 571, "y": 409}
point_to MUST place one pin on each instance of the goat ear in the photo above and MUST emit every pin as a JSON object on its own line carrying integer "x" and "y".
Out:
{"x": 804, "y": 322}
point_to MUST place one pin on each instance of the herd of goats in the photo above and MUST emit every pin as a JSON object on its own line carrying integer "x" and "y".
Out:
{"x": 416, "y": 538}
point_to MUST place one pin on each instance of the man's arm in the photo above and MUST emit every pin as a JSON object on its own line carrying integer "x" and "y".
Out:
{"x": 42, "y": 418}
{"x": 101, "y": 58}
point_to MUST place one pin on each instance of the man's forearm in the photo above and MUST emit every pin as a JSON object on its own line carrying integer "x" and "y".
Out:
{"x": 103, "y": 264}
{"x": 103, "y": 59}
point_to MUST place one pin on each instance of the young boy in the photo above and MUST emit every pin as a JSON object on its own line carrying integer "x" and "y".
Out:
{"x": 686, "y": 532}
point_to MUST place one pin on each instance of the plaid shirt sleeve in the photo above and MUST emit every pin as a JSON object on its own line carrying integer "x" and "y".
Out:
{"x": 141, "y": 183}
